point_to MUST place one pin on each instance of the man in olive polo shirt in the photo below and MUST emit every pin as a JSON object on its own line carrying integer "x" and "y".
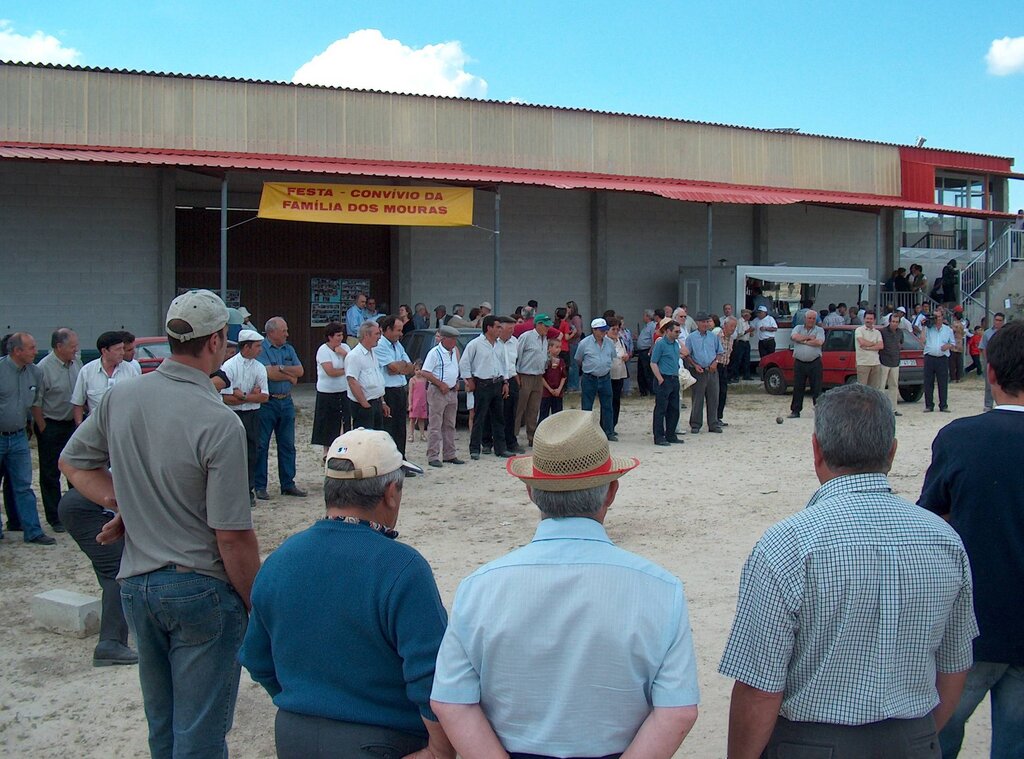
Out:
{"x": 19, "y": 378}
{"x": 190, "y": 553}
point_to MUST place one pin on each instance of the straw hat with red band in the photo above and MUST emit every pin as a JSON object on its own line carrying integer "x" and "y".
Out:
{"x": 570, "y": 452}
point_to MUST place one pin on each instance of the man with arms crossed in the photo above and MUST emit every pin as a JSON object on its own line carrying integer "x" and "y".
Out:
{"x": 569, "y": 646}
{"x": 976, "y": 481}
{"x": 854, "y": 623}
{"x": 190, "y": 553}
{"x": 807, "y": 339}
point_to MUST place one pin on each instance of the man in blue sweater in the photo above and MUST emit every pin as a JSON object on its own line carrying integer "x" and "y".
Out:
{"x": 976, "y": 481}
{"x": 346, "y": 621}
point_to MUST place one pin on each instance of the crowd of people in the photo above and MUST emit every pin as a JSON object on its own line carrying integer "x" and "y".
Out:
{"x": 865, "y": 626}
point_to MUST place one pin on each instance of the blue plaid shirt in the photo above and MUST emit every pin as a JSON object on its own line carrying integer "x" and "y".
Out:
{"x": 850, "y": 606}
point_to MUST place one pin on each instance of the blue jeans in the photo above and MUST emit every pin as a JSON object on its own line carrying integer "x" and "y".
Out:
{"x": 277, "y": 417}
{"x": 1006, "y": 683}
{"x": 188, "y": 628}
{"x": 572, "y": 381}
{"x": 16, "y": 459}
{"x": 602, "y": 388}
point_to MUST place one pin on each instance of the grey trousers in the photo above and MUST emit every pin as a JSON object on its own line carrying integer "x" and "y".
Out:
{"x": 441, "y": 411}
{"x": 705, "y": 392}
{"x": 888, "y": 739}
{"x": 300, "y": 736}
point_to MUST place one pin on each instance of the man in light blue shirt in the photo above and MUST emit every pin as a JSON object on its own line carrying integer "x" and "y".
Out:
{"x": 355, "y": 316}
{"x": 704, "y": 347}
{"x": 937, "y": 340}
{"x": 569, "y": 646}
{"x": 594, "y": 355}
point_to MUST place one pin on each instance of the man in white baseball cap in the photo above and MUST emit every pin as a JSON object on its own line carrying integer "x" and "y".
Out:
{"x": 568, "y": 625}
{"x": 247, "y": 389}
{"x": 176, "y": 458}
{"x": 358, "y": 669}
{"x": 594, "y": 356}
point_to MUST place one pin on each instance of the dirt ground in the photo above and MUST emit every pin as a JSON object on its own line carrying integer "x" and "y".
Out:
{"x": 696, "y": 509}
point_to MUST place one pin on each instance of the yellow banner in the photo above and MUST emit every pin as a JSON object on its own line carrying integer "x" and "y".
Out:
{"x": 367, "y": 204}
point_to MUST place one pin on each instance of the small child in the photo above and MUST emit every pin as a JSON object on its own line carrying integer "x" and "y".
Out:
{"x": 553, "y": 381}
{"x": 417, "y": 404}
{"x": 974, "y": 349}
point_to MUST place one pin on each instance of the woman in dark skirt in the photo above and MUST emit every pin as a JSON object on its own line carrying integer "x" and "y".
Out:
{"x": 333, "y": 412}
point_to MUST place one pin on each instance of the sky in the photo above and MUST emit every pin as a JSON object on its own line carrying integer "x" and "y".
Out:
{"x": 950, "y": 72}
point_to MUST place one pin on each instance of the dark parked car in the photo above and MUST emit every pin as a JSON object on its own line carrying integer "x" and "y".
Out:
{"x": 418, "y": 343}
{"x": 839, "y": 365}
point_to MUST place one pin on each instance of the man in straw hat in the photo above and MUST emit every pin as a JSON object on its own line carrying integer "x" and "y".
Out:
{"x": 357, "y": 671}
{"x": 190, "y": 552}
{"x": 569, "y": 646}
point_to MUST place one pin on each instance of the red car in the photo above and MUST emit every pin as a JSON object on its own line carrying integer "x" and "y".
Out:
{"x": 151, "y": 351}
{"x": 839, "y": 365}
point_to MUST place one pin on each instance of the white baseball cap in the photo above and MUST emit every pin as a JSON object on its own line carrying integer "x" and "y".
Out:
{"x": 203, "y": 311}
{"x": 249, "y": 336}
{"x": 599, "y": 323}
{"x": 372, "y": 453}
{"x": 901, "y": 309}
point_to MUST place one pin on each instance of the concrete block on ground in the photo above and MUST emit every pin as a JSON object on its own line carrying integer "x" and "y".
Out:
{"x": 67, "y": 613}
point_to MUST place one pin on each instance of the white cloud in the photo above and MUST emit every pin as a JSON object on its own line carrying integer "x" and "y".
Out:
{"x": 37, "y": 48}
{"x": 1006, "y": 56}
{"x": 366, "y": 59}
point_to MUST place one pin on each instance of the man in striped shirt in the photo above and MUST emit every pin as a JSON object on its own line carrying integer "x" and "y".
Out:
{"x": 854, "y": 622}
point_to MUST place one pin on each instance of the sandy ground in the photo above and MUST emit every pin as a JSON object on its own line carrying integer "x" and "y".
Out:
{"x": 695, "y": 509}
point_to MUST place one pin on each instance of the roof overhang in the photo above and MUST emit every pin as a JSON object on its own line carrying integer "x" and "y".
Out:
{"x": 478, "y": 176}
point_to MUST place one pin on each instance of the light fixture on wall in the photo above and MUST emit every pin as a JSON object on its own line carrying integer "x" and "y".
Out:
{"x": 723, "y": 261}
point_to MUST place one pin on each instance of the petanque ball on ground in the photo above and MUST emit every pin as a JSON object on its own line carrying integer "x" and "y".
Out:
{"x": 778, "y": 420}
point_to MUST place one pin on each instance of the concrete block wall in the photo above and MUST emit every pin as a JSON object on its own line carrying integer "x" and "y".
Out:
{"x": 545, "y": 253}
{"x": 79, "y": 246}
{"x": 802, "y": 235}
{"x": 650, "y": 238}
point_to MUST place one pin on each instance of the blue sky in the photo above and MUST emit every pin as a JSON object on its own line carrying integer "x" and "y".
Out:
{"x": 888, "y": 71}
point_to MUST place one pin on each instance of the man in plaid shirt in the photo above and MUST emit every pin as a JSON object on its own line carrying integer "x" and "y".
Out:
{"x": 854, "y": 622}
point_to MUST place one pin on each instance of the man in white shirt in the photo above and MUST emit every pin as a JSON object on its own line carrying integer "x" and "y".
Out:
{"x": 247, "y": 389}
{"x": 100, "y": 375}
{"x": 396, "y": 367}
{"x": 765, "y": 328}
{"x": 483, "y": 367}
{"x": 531, "y": 361}
{"x": 510, "y": 341}
{"x": 441, "y": 371}
{"x": 868, "y": 344}
{"x": 366, "y": 381}
{"x": 130, "y": 363}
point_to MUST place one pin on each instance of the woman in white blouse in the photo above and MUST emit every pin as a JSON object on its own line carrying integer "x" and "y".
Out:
{"x": 333, "y": 412}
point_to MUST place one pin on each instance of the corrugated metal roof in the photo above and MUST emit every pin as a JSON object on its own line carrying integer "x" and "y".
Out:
{"x": 207, "y": 77}
{"x": 689, "y": 191}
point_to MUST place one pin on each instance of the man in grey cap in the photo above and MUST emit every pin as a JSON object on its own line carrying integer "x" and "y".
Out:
{"x": 441, "y": 371}
{"x": 705, "y": 348}
{"x": 190, "y": 552}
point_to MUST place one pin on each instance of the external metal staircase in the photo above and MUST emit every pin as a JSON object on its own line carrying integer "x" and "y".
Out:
{"x": 1000, "y": 257}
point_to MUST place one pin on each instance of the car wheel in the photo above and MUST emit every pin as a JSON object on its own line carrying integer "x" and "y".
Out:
{"x": 774, "y": 381}
{"x": 911, "y": 393}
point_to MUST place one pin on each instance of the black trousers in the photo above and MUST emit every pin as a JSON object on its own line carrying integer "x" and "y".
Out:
{"x": 764, "y": 347}
{"x": 251, "y": 422}
{"x": 666, "y": 408}
{"x": 739, "y": 361}
{"x": 936, "y": 370}
{"x": 51, "y": 442}
{"x": 508, "y": 417}
{"x": 84, "y": 520}
{"x": 644, "y": 376}
{"x": 616, "y": 400}
{"x": 368, "y": 418}
{"x": 895, "y": 738}
{"x": 397, "y": 399}
{"x": 301, "y": 736}
{"x": 489, "y": 415}
{"x": 802, "y": 372}
{"x": 723, "y": 388}
{"x": 13, "y": 517}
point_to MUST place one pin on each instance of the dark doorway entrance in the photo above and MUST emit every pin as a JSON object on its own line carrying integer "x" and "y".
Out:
{"x": 271, "y": 264}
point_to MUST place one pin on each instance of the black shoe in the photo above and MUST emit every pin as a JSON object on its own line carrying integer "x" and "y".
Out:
{"x": 722, "y": 424}
{"x": 676, "y": 441}
{"x": 263, "y": 495}
{"x": 58, "y": 527}
{"x": 694, "y": 430}
{"x": 294, "y": 491}
{"x": 43, "y": 540}
{"x": 897, "y": 413}
{"x": 475, "y": 456}
{"x": 456, "y": 460}
{"x": 928, "y": 410}
{"x": 435, "y": 462}
{"x": 613, "y": 438}
{"x": 504, "y": 455}
{"x": 663, "y": 443}
{"x": 714, "y": 429}
{"x": 794, "y": 415}
{"x": 944, "y": 410}
{"x": 111, "y": 652}
{"x": 488, "y": 449}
